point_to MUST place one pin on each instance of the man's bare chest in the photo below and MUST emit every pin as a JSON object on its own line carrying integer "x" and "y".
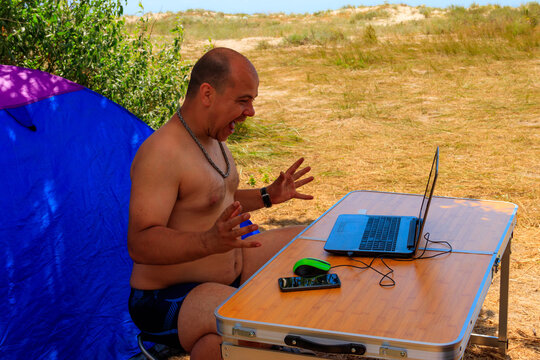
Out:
{"x": 204, "y": 188}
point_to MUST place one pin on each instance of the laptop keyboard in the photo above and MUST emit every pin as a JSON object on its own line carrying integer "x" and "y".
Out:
{"x": 380, "y": 234}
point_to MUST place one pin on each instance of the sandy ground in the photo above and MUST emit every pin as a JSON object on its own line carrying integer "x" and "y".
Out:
{"x": 523, "y": 317}
{"x": 397, "y": 14}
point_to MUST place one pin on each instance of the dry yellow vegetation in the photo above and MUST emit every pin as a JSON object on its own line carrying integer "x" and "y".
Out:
{"x": 367, "y": 100}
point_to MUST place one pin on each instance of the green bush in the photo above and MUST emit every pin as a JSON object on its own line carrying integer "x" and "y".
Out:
{"x": 85, "y": 41}
{"x": 315, "y": 37}
{"x": 370, "y": 35}
{"x": 370, "y": 15}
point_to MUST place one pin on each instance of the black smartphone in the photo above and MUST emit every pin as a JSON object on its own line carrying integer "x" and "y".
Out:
{"x": 297, "y": 283}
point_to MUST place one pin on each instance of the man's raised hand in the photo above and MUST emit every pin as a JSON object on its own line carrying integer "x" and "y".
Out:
{"x": 225, "y": 234}
{"x": 286, "y": 185}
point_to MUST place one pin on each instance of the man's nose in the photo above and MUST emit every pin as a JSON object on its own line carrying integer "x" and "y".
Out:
{"x": 249, "y": 111}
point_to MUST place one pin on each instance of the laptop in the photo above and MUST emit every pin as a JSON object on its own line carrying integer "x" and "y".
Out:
{"x": 382, "y": 236}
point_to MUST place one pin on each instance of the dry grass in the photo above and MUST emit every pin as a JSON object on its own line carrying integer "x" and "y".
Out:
{"x": 374, "y": 120}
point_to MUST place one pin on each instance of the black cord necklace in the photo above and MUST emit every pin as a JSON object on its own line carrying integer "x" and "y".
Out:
{"x": 224, "y": 175}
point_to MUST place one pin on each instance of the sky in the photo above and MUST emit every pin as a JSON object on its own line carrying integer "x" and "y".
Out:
{"x": 289, "y": 6}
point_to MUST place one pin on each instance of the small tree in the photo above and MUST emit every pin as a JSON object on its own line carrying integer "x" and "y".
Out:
{"x": 85, "y": 41}
{"x": 370, "y": 35}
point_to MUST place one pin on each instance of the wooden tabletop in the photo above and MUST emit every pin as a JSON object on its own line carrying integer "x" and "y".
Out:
{"x": 432, "y": 299}
{"x": 469, "y": 225}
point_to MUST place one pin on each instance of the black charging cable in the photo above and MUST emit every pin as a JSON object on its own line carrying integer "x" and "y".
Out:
{"x": 387, "y": 280}
{"x": 429, "y": 241}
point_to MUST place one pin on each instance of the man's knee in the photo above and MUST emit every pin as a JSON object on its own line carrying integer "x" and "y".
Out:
{"x": 196, "y": 317}
{"x": 296, "y": 229}
{"x": 207, "y": 347}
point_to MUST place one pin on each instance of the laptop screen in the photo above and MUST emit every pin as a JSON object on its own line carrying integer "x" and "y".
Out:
{"x": 427, "y": 196}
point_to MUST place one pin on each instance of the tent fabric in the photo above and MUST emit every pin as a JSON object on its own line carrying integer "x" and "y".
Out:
{"x": 64, "y": 265}
{"x": 20, "y": 86}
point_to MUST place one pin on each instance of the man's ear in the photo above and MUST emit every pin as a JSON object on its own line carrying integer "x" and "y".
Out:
{"x": 206, "y": 94}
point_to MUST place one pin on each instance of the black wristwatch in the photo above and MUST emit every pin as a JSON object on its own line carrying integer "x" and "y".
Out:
{"x": 266, "y": 198}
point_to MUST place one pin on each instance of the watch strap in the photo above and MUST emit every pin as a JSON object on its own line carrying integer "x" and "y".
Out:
{"x": 266, "y": 198}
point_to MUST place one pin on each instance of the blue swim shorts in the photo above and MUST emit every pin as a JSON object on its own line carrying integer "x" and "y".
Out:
{"x": 155, "y": 312}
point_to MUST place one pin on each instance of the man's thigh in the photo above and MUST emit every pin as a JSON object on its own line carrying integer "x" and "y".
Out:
{"x": 272, "y": 241}
{"x": 196, "y": 317}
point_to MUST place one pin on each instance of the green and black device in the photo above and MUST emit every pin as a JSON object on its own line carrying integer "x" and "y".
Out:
{"x": 308, "y": 267}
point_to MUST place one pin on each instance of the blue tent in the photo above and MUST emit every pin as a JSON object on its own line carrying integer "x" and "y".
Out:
{"x": 65, "y": 155}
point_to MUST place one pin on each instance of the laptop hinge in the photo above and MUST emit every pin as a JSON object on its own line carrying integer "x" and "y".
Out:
{"x": 413, "y": 226}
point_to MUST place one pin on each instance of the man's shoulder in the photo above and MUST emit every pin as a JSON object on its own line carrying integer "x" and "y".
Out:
{"x": 159, "y": 149}
{"x": 163, "y": 142}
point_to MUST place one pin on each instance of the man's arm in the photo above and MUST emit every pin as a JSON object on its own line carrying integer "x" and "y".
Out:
{"x": 283, "y": 189}
{"x": 160, "y": 245}
{"x": 250, "y": 199}
{"x": 154, "y": 192}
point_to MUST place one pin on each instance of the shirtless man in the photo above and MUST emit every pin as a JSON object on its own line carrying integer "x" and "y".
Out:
{"x": 185, "y": 209}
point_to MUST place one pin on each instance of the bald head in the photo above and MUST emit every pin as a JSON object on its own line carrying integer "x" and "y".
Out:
{"x": 215, "y": 68}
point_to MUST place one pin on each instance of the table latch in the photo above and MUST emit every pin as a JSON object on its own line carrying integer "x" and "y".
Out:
{"x": 394, "y": 352}
{"x": 496, "y": 264}
{"x": 243, "y": 331}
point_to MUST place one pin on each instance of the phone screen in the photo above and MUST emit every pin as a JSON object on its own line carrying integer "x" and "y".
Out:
{"x": 297, "y": 283}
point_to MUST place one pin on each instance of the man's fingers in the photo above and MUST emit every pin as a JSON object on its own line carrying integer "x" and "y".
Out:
{"x": 303, "y": 182}
{"x": 295, "y": 166}
{"x": 231, "y": 229}
{"x": 301, "y": 173}
{"x": 237, "y": 220}
{"x": 245, "y": 230}
{"x": 303, "y": 196}
{"x": 248, "y": 244}
{"x": 232, "y": 210}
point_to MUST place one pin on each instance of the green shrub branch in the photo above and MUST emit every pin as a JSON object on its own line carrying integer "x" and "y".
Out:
{"x": 85, "y": 41}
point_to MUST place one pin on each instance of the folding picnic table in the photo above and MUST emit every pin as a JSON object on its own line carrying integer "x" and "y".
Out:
{"x": 429, "y": 313}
